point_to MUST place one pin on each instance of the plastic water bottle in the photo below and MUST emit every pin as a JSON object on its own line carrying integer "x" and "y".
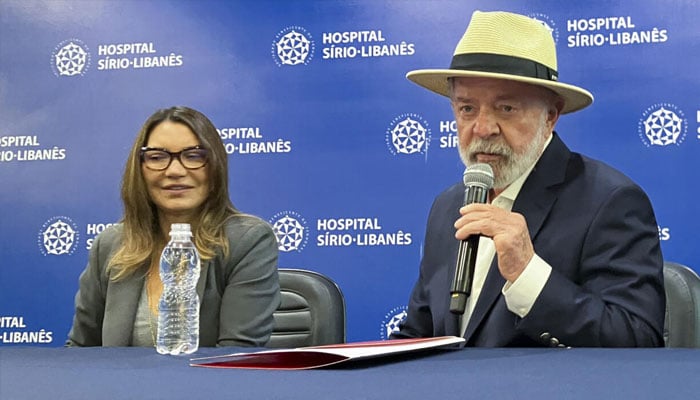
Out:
{"x": 178, "y": 308}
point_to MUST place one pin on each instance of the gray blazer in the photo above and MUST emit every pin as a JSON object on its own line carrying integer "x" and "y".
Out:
{"x": 238, "y": 294}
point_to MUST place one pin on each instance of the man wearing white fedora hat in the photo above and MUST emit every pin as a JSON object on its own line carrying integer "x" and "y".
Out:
{"x": 569, "y": 253}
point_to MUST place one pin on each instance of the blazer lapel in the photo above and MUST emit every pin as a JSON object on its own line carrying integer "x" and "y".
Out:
{"x": 122, "y": 302}
{"x": 202, "y": 282}
{"x": 534, "y": 202}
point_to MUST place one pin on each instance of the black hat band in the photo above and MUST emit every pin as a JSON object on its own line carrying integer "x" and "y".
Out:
{"x": 501, "y": 64}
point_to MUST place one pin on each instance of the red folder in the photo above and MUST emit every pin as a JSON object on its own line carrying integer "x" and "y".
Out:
{"x": 323, "y": 356}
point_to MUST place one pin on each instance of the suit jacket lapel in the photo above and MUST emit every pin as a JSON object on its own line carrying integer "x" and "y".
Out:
{"x": 538, "y": 194}
{"x": 534, "y": 201}
{"x": 489, "y": 293}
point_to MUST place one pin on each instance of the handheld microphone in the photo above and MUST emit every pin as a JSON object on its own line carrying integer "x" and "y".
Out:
{"x": 478, "y": 180}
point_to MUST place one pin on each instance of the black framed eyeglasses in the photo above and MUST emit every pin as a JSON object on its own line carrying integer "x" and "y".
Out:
{"x": 159, "y": 159}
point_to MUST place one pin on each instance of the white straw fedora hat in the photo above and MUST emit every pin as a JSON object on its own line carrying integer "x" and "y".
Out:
{"x": 505, "y": 46}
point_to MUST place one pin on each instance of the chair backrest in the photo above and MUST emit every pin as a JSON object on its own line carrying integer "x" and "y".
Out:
{"x": 682, "y": 323}
{"x": 311, "y": 313}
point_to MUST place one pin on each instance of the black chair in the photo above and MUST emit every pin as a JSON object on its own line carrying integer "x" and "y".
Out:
{"x": 682, "y": 323}
{"x": 312, "y": 311}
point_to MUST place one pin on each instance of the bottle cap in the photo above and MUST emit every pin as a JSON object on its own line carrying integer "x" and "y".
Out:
{"x": 180, "y": 228}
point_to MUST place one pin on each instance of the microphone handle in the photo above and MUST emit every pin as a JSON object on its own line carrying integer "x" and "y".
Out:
{"x": 466, "y": 257}
{"x": 462, "y": 283}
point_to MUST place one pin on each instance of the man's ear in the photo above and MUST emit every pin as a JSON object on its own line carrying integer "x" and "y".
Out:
{"x": 554, "y": 111}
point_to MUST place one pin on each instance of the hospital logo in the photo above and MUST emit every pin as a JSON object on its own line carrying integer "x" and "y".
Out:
{"x": 548, "y": 23}
{"x": 70, "y": 58}
{"x": 293, "y": 46}
{"x": 58, "y": 236}
{"x": 662, "y": 125}
{"x": 291, "y": 231}
{"x": 391, "y": 321}
{"x": 408, "y": 134}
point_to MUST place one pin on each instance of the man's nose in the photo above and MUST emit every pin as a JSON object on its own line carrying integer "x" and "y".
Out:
{"x": 485, "y": 124}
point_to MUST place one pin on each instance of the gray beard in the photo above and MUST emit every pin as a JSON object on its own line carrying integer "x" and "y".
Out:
{"x": 511, "y": 164}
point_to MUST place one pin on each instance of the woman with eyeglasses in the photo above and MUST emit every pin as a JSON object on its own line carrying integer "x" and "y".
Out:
{"x": 177, "y": 172}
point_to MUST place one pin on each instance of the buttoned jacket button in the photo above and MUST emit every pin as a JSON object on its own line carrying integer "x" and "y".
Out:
{"x": 545, "y": 336}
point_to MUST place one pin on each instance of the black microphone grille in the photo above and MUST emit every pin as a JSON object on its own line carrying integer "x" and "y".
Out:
{"x": 479, "y": 175}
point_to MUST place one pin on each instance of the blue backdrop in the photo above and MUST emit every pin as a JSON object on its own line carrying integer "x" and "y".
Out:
{"x": 327, "y": 139}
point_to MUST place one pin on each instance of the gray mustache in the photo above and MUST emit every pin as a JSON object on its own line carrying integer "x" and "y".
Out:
{"x": 485, "y": 146}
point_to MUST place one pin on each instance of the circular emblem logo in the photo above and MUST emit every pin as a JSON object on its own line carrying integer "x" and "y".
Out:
{"x": 290, "y": 230}
{"x": 391, "y": 321}
{"x": 58, "y": 236}
{"x": 548, "y": 23}
{"x": 408, "y": 134}
{"x": 70, "y": 58}
{"x": 293, "y": 46}
{"x": 662, "y": 125}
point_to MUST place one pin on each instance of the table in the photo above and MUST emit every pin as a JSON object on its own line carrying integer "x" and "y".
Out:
{"x": 141, "y": 373}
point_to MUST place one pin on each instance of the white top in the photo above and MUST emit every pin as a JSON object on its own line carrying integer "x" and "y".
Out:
{"x": 145, "y": 324}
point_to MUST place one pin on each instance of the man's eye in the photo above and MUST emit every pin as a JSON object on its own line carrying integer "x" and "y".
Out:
{"x": 507, "y": 108}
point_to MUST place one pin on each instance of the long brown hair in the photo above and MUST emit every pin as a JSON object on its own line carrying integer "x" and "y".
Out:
{"x": 142, "y": 236}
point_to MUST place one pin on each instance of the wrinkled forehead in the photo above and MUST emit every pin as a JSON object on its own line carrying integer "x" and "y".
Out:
{"x": 492, "y": 90}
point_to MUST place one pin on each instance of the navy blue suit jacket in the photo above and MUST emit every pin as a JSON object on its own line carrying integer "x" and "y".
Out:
{"x": 597, "y": 230}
